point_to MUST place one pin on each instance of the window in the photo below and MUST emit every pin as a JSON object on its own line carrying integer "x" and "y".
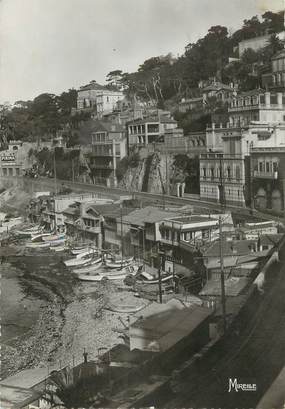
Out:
{"x": 267, "y": 166}
{"x": 229, "y": 172}
{"x": 204, "y": 173}
{"x": 212, "y": 173}
{"x": 237, "y": 172}
{"x": 260, "y": 166}
{"x": 229, "y": 192}
{"x": 275, "y": 166}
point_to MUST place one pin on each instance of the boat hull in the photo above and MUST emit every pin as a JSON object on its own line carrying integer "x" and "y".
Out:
{"x": 74, "y": 262}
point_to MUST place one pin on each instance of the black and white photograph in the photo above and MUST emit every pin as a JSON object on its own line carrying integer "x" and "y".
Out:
{"x": 142, "y": 204}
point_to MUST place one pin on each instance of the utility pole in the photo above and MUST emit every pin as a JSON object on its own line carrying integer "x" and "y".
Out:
{"x": 54, "y": 171}
{"x": 143, "y": 243}
{"x": 222, "y": 191}
{"x": 121, "y": 214}
{"x": 222, "y": 275}
{"x": 173, "y": 262}
{"x": 72, "y": 167}
{"x": 159, "y": 281}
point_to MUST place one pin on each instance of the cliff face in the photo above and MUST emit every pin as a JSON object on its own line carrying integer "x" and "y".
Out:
{"x": 156, "y": 171}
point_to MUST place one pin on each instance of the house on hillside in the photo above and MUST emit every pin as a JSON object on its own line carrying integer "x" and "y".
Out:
{"x": 275, "y": 80}
{"x": 107, "y": 146}
{"x": 142, "y": 132}
{"x": 97, "y": 98}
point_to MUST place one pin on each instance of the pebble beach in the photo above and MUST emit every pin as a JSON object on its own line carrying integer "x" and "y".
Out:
{"x": 75, "y": 318}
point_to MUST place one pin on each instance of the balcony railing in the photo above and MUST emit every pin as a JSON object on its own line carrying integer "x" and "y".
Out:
{"x": 265, "y": 175}
{"x": 102, "y": 166}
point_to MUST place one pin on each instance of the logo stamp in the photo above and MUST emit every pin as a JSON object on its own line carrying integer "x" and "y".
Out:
{"x": 235, "y": 386}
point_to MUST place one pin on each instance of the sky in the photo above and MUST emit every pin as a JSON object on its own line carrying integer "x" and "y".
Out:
{"x": 54, "y": 45}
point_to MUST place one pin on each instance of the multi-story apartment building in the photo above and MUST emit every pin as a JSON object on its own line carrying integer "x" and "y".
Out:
{"x": 98, "y": 98}
{"x": 275, "y": 80}
{"x": 109, "y": 146}
{"x": 142, "y": 132}
{"x": 225, "y": 168}
{"x": 268, "y": 169}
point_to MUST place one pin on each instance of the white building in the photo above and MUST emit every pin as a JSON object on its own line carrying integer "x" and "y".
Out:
{"x": 225, "y": 168}
{"x": 98, "y": 98}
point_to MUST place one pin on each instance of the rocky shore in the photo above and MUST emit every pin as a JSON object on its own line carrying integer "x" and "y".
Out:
{"x": 68, "y": 325}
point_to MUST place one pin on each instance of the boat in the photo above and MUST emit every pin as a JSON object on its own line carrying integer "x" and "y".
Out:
{"x": 53, "y": 237}
{"x": 56, "y": 243}
{"x": 111, "y": 275}
{"x": 73, "y": 262}
{"x": 147, "y": 278}
{"x": 88, "y": 269}
{"x": 119, "y": 263}
{"x": 37, "y": 245}
{"x": 100, "y": 277}
{"x": 28, "y": 232}
{"x": 93, "y": 252}
{"x": 82, "y": 249}
{"x": 124, "y": 309}
{"x": 93, "y": 262}
{"x": 59, "y": 248}
{"x": 39, "y": 237}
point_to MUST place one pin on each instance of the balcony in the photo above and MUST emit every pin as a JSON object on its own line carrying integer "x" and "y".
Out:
{"x": 91, "y": 229}
{"x": 99, "y": 154}
{"x": 102, "y": 166}
{"x": 265, "y": 175}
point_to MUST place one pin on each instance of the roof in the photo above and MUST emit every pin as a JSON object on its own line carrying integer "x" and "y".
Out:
{"x": 189, "y": 100}
{"x": 233, "y": 287}
{"x": 122, "y": 353}
{"x": 148, "y": 214}
{"x": 106, "y": 126}
{"x": 280, "y": 54}
{"x": 169, "y": 327}
{"x": 230, "y": 248}
{"x": 235, "y": 260}
{"x": 28, "y": 378}
{"x": 112, "y": 210}
{"x": 155, "y": 308}
{"x": 92, "y": 85}
{"x": 73, "y": 211}
{"x": 154, "y": 119}
{"x": 193, "y": 219}
{"x": 256, "y": 91}
{"x": 16, "y": 397}
{"x": 270, "y": 239}
{"x": 216, "y": 86}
